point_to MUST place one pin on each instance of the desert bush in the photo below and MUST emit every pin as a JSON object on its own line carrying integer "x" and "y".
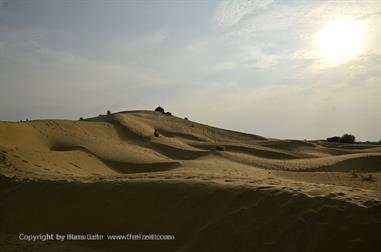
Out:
{"x": 192, "y": 125}
{"x": 168, "y": 113}
{"x": 81, "y": 118}
{"x": 368, "y": 178}
{"x": 108, "y": 112}
{"x": 347, "y": 138}
{"x": 334, "y": 139}
{"x": 186, "y": 118}
{"x": 220, "y": 148}
{"x": 100, "y": 115}
{"x": 156, "y": 133}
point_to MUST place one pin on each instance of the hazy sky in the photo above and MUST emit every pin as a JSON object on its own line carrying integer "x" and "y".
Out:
{"x": 280, "y": 69}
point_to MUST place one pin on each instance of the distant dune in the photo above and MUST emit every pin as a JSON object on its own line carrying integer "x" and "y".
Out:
{"x": 214, "y": 189}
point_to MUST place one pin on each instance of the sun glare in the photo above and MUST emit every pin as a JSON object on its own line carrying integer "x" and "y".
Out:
{"x": 341, "y": 41}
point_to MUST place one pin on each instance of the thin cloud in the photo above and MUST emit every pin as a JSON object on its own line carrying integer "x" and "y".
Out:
{"x": 231, "y": 12}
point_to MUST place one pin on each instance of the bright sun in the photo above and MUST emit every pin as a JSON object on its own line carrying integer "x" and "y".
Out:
{"x": 341, "y": 41}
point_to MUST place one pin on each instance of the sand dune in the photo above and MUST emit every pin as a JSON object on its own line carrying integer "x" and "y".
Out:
{"x": 214, "y": 189}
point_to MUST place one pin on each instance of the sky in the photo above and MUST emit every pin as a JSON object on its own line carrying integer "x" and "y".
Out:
{"x": 290, "y": 69}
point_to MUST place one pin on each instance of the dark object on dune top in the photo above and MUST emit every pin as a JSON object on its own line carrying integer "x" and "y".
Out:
{"x": 156, "y": 133}
{"x": 159, "y": 109}
{"x": 168, "y": 113}
{"x": 81, "y": 118}
{"x": 186, "y": 118}
{"x": 108, "y": 112}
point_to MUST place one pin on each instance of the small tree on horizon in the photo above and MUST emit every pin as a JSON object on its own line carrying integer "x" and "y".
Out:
{"x": 347, "y": 138}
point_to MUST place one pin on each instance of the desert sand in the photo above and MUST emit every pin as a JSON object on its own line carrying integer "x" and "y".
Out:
{"x": 213, "y": 189}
